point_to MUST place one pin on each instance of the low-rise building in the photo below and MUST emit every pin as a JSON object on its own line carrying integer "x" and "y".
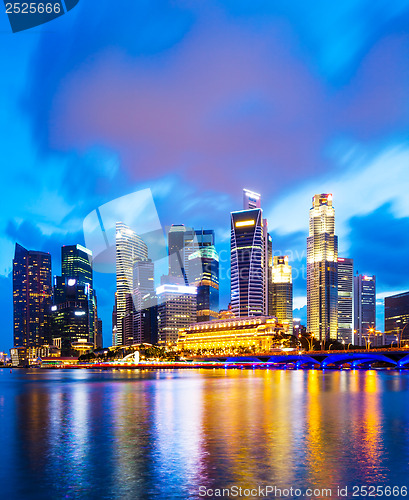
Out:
{"x": 260, "y": 334}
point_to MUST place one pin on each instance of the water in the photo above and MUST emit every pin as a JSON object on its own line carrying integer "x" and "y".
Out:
{"x": 162, "y": 435}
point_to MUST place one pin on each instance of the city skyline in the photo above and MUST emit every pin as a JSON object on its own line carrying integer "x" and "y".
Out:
{"x": 130, "y": 247}
{"x": 310, "y": 99}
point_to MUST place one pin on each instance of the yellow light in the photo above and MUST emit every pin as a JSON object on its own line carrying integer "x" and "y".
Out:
{"x": 245, "y": 223}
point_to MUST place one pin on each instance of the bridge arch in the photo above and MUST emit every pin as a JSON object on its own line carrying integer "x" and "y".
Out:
{"x": 356, "y": 359}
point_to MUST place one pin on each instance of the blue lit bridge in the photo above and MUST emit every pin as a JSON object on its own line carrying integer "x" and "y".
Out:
{"x": 394, "y": 358}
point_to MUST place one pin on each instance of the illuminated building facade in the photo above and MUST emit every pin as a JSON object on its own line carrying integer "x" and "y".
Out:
{"x": 32, "y": 295}
{"x": 282, "y": 292}
{"x": 203, "y": 273}
{"x": 248, "y": 270}
{"x": 397, "y": 316}
{"x": 251, "y": 201}
{"x": 345, "y": 300}
{"x": 129, "y": 248}
{"x": 260, "y": 334}
{"x": 76, "y": 263}
{"x": 364, "y": 307}
{"x": 70, "y": 314}
{"x": 143, "y": 285}
{"x": 176, "y": 310}
{"x": 322, "y": 270}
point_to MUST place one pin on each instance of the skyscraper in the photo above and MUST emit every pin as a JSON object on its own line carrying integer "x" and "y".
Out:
{"x": 70, "y": 314}
{"x": 364, "y": 306}
{"x": 251, "y": 201}
{"x": 345, "y": 300}
{"x": 176, "y": 310}
{"x": 282, "y": 292}
{"x": 397, "y": 316}
{"x": 129, "y": 248}
{"x": 322, "y": 270}
{"x": 247, "y": 263}
{"x": 143, "y": 285}
{"x": 180, "y": 239}
{"x": 76, "y": 264}
{"x": 202, "y": 269}
{"x": 32, "y": 292}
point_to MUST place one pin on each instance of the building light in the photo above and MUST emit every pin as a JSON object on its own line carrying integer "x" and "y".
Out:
{"x": 79, "y": 313}
{"x": 53, "y": 308}
{"x": 71, "y": 282}
{"x": 191, "y": 290}
{"x": 245, "y": 223}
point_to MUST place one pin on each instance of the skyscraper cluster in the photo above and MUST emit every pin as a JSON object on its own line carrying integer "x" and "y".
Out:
{"x": 59, "y": 313}
{"x": 63, "y": 311}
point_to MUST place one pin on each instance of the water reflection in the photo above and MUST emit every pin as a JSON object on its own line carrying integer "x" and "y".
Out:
{"x": 143, "y": 435}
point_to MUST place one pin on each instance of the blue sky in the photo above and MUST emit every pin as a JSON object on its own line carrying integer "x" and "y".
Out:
{"x": 196, "y": 100}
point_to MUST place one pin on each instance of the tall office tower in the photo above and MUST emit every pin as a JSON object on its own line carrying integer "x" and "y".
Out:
{"x": 176, "y": 310}
{"x": 202, "y": 270}
{"x": 251, "y": 201}
{"x": 32, "y": 293}
{"x": 322, "y": 270}
{"x": 282, "y": 292}
{"x": 180, "y": 239}
{"x": 99, "y": 342}
{"x": 76, "y": 264}
{"x": 345, "y": 300}
{"x": 364, "y": 306}
{"x": 70, "y": 314}
{"x": 397, "y": 316}
{"x": 249, "y": 249}
{"x": 247, "y": 263}
{"x": 114, "y": 322}
{"x": 206, "y": 261}
{"x": 149, "y": 318}
{"x": 129, "y": 248}
{"x": 143, "y": 284}
{"x": 268, "y": 271}
{"x": 128, "y": 321}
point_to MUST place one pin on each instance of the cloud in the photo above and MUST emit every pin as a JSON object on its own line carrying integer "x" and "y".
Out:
{"x": 360, "y": 186}
{"x": 379, "y": 245}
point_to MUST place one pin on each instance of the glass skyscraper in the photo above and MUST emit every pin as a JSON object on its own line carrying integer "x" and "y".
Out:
{"x": 397, "y": 316}
{"x": 322, "y": 270}
{"x": 76, "y": 264}
{"x": 247, "y": 263}
{"x": 345, "y": 300}
{"x": 282, "y": 292}
{"x": 71, "y": 314}
{"x": 32, "y": 292}
{"x": 180, "y": 245}
{"x": 202, "y": 270}
{"x": 130, "y": 247}
{"x": 364, "y": 307}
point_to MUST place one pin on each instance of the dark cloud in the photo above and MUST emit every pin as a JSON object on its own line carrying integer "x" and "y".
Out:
{"x": 379, "y": 245}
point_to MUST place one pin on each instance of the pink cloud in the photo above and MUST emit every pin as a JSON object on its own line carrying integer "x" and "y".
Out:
{"x": 226, "y": 106}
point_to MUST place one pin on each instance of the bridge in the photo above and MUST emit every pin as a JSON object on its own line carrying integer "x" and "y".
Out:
{"x": 394, "y": 358}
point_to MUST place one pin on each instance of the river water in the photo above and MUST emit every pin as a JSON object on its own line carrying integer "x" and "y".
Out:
{"x": 181, "y": 434}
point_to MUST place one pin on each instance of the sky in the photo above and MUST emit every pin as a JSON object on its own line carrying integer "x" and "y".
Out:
{"x": 196, "y": 101}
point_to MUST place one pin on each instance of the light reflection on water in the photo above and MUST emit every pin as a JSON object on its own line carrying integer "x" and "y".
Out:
{"x": 147, "y": 435}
